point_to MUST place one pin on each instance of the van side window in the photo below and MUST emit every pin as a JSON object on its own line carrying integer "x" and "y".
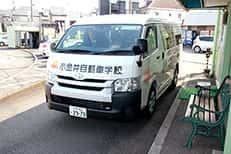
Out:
{"x": 177, "y": 33}
{"x": 178, "y": 39}
{"x": 168, "y": 36}
{"x": 151, "y": 36}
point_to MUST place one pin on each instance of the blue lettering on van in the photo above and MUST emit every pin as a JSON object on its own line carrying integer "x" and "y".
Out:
{"x": 118, "y": 69}
{"x": 84, "y": 68}
{"x": 99, "y": 69}
{"x": 108, "y": 69}
{"x": 91, "y": 68}
{"x": 75, "y": 68}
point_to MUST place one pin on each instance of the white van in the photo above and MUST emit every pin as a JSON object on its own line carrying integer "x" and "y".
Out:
{"x": 113, "y": 65}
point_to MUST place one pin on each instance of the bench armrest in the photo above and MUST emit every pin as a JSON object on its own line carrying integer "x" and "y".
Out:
{"x": 200, "y": 109}
{"x": 206, "y": 88}
{"x": 202, "y": 87}
{"x": 211, "y": 91}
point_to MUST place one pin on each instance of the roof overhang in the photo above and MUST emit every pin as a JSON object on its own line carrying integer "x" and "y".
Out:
{"x": 196, "y": 4}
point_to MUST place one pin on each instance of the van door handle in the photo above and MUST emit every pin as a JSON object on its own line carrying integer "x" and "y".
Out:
{"x": 162, "y": 55}
{"x": 158, "y": 57}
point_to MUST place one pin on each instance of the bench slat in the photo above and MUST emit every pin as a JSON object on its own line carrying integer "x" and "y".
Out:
{"x": 191, "y": 101}
{"x": 212, "y": 108}
{"x": 207, "y": 106}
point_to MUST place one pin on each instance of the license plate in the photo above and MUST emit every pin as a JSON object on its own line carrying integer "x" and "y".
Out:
{"x": 79, "y": 112}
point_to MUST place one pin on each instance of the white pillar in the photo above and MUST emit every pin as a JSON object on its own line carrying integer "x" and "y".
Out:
{"x": 67, "y": 19}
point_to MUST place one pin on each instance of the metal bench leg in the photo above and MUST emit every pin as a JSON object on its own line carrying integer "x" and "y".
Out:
{"x": 221, "y": 134}
{"x": 190, "y": 139}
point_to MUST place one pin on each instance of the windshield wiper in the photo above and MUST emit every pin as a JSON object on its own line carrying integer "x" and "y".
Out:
{"x": 108, "y": 52}
{"x": 73, "y": 51}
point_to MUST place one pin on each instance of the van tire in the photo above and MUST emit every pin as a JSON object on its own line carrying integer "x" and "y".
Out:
{"x": 174, "y": 80}
{"x": 150, "y": 108}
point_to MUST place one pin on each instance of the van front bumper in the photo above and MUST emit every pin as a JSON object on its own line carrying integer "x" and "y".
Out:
{"x": 120, "y": 101}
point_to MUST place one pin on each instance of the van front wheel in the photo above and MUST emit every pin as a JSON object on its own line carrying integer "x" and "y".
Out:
{"x": 174, "y": 80}
{"x": 151, "y": 102}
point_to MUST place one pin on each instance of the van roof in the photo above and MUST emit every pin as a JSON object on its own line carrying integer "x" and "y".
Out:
{"x": 120, "y": 19}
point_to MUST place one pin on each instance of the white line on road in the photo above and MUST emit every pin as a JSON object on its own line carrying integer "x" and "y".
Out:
{"x": 164, "y": 129}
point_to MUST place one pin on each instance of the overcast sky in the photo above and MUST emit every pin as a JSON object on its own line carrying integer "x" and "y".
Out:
{"x": 78, "y": 5}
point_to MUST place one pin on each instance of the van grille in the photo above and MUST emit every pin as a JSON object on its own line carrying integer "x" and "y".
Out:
{"x": 80, "y": 87}
{"x": 80, "y": 102}
{"x": 85, "y": 80}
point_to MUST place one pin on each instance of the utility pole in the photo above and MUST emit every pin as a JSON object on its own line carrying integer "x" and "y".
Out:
{"x": 12, "y": 11}
{"x": 31, "y": 10}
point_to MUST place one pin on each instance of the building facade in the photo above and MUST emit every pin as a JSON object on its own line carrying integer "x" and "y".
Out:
{"x": 203, "y": 22}
{"x": 118, "y": 7}
{"x": 103, "y": 7}
{"x": 166, "y": 9}
{"x": 24, "y": 31}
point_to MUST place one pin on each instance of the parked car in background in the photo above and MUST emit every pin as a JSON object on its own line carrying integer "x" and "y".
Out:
{"x": 202, "y": 43}
{"x": 187, "y": 42}
{"x": 44, "y": 47}
{"x": 3, "y": 40}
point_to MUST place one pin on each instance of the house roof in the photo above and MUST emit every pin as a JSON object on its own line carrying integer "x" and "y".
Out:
{"x": 4, "y": 12}
{"x": 25, "y": 11}
{"x": 166, "y": 4}
{"x": 59, "y": 11}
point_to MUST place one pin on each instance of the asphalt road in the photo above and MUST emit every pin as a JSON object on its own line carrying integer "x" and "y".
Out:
{"x": 39, "y": 130}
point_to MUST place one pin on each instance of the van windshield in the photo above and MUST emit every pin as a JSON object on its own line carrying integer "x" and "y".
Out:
{"x": 100, "y": 39}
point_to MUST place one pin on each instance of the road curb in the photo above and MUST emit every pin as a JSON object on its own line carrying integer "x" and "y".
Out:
{"x": 23, "y": 89}
{"x": 159, "y": 140}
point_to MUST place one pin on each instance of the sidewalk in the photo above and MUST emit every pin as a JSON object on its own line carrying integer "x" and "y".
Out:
{"x": 19, "y": 71}
{"x": 174, "y": 137}
{"x": 174, "y": 132}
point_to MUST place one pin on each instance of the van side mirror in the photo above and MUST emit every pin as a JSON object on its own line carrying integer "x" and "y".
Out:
{"x": 140, "y": 47}
{"x": 136, "y": 49}
{"x": 52, "y": 46}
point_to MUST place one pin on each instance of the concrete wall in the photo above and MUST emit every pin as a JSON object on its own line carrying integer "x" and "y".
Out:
{"x": 227, "y": 68}
{"x": 218, "y": 52}
{"x": 222, "y": 62}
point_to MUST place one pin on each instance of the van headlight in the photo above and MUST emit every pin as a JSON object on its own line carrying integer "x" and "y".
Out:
{"x": 52, "y": 77}
{"x": 126, "y": 85}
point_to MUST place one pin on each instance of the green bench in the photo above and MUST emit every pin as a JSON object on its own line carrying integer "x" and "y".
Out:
{"x": 202, "y": 111}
